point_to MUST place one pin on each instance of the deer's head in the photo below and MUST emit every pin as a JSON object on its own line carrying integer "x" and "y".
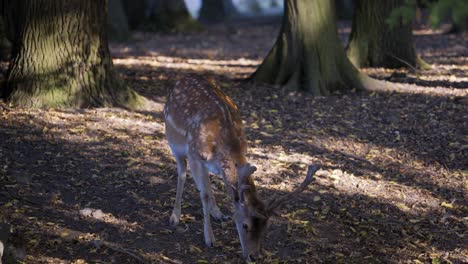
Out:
{"x": 251, "y": 215}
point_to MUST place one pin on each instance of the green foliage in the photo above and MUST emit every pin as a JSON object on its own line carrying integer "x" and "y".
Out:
{"x": 457, "y": 9}
{"x": 438, "y": 11}
{"x": 404, "y": 13}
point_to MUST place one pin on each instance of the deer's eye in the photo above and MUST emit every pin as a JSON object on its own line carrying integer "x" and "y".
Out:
{"x": 246, "y": 227}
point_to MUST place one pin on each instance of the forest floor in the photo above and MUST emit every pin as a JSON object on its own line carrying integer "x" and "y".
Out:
{"x": 97, "y": 185}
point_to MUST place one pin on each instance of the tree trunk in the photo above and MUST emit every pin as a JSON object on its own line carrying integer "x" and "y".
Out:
{"x": 5, "y": 45}
{"x": 374, "y": 43}
{"x": 308, "y": 54}
{"x": 344, "y": 9}
{"x": 61, "y": 58}
{"x": 135, "y": 11}
{"x": 212, "y": 11}
{"x": 217, "y": 11}
{"x": 117, "y": 22}
{"x": 230, "y": 9}
{"x": 169, "y": 16}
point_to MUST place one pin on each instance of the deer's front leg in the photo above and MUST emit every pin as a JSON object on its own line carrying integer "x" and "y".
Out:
{"x": 182, "y": 176}
{"x": 201, "y": 177}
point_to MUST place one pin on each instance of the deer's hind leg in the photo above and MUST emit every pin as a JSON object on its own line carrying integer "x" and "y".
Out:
{"x": 181, "y": 177}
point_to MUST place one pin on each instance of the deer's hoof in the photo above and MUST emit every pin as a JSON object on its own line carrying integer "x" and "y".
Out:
{"x": 174, "y": 220}
{"x": 209, "y": 243}
{"x": 209, "y": 239}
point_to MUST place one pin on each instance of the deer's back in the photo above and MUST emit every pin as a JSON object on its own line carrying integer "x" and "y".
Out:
{"x": 202, "y": 118}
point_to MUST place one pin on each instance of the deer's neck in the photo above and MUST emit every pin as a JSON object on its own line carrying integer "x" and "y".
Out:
{"x": 229, "y": 175}
{"x": 231, "y": 179}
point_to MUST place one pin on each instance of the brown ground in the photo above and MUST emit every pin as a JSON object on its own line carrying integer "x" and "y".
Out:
{"x": 97, "y": 185}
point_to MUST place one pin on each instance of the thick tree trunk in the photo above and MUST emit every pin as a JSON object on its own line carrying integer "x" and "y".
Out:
{"x": 374, "y": 43}
{"x": 344, "y": 9}
{"x": 135, "y": 11}
{"x": 169, "y": 16}
{"x": 217, "y": 11}
{"x": 308, "y": 54}
{"x": 230, "y": 9}
{"x": 212, "y": 11}
{"x": 457, "y": 28}
{"x": 5, "y": 45}
{"x": 61, "y": 58}
{"x": 117, "y": 22}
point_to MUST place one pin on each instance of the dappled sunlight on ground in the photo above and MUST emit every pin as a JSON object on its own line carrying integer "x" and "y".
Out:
{"x": 241, "y": 67}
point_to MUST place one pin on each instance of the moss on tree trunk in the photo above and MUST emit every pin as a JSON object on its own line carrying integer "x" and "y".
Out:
{"x": 61, "y": 57}
{"x": 374, "y": 43}
{"x": 308, "y": 54}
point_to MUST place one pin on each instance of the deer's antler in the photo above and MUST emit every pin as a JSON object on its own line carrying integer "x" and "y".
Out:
{"x": 277, "y": 201}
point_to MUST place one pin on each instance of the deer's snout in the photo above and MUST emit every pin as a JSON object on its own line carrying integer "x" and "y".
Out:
{"x": 252, "y": 256}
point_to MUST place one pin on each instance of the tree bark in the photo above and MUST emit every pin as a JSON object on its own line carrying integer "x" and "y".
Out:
{"x": 117, "y": 22}
{"x": 374, "y": 43}
{"x": 308, "y": 54}
{"x": 61, "y": 58}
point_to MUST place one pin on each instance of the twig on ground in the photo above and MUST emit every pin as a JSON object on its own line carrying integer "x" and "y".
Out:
{"x": 405, "y": 62}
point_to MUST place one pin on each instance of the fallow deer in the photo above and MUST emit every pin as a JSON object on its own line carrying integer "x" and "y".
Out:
{"x": 203, "y": 126}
